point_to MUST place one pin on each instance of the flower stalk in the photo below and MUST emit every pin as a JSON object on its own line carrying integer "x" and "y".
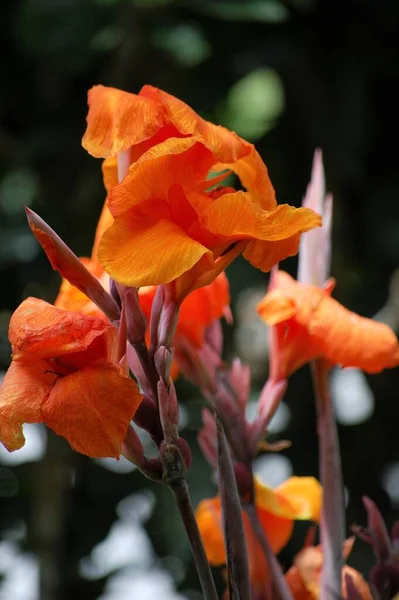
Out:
{"x": 332, "y": 526}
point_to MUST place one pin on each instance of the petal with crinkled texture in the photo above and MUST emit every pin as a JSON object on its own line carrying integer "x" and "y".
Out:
{"x": 183, "y": 161}
{"x": 236, "y": 215}
{"x": 139, "y": 254}
{"x": 326, "y": 329}
{"x": 25, "y": 386}
{"x": 254, "y": 176}
{"x": 118, "y": 120}
{"x": 92, "y": 409}
{"x": 226, "y": 146}
{"x": 44, "y": 331}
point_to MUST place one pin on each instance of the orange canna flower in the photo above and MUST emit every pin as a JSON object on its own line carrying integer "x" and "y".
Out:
{"x": 198, "y": 310}
{"x": 65, "y": 373}
{"x": 298, "y": 498}
{"x": 308, "y": 324}
{"x": 304, "y": 576}
{"x": 165, "y": 208}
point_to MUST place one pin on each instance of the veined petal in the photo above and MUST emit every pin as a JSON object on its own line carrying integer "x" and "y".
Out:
{"x": 25, "y": 386}
{"x": 226, "y": 145}
{"x": 184, "y": 161}
{"x": 110, "y": 172}
{"x": 92, "y": 409}
{"x": 140, "y": 253}
{"x": 70, "y": 298}
{"x": 254, "y": 176}
{"x": 44, "y": 331}
{"x": 105, "y": 221}
{"x": 118, "y": 120}
{"x": 264, "y": 255}
{"x": 236, "y": 215}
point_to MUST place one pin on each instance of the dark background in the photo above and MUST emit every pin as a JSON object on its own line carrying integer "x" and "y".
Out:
{"x": 288, "y": 75}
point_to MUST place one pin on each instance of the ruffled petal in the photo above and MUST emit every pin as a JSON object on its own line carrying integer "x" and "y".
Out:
{"x": 25, "y": 386}
{"x": 184, "y": 161}
{"x": 139, "y": 253}
{"x": 302, "y": 496}
{"x": 105, "y": 221}
{"x": 296, "y": 498}
{"x": 275, "y": 307}
{"x": 349, "y": 340}
{"x": 44, "y": 331}
{"x": 237, "y": 216}
{"x": 264, "y": 255}
{"x": 92, "y": 409}
{"x": 226, "y": 145}
{"x": 118, "y": 120}
{"x": 110, "y": 172}
{"x": 254, "y": 176}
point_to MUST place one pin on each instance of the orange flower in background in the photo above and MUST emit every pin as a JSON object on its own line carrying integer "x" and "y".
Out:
{"x": 164, "y": 206}
{"x": 65, "y": 373}
{"x": 304, "y": 576}
{"x": 298, "y": 498}
{"x": 308, "y": 324}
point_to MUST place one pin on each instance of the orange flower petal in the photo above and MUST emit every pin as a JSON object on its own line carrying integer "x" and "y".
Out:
{"x": 92, "y": 409}
{"x": 209, "y": 519}
{"x": 138, "y": 254}
{"x": 303, "y": 496}
{"x": 110, "y": 172}
{"x": 236, "y": 215}
{"x": 326, "y": 328}
{"x": 118, "y": 120}
{"x": 226, "y": 145}
{"x": 304, "y": 576}
{"x": 25, "y": 386}
{"x": 264, "y": 255}
{"x": 254, "y": 176}
{"x": 105, "y": 221}
{"x": 183, "y": 161}
{"x": 43, "y": 331}
{"x": 71, "y": 299}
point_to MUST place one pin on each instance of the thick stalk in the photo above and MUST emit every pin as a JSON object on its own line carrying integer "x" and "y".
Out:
{"x": 278, "y": 587}
{"x": 183, "y": 500}
{"x": 332, "y": 526}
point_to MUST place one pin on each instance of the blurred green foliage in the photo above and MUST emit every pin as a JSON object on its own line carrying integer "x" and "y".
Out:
{"x": 291, "y": 75}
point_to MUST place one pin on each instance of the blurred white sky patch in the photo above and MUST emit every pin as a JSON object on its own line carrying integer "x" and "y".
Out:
{"x": 127, "y": 543}
{"x": 126, "y": 554}
{"x": 390, "y": 481}
{"x": 147, "y": 585}
{"x": 34, "y": 449}
{"x": 280, "y": 420}
{"x": 352, "y": 396}
{"x": 20, "y": 572}
{"x": 273, "y": 469}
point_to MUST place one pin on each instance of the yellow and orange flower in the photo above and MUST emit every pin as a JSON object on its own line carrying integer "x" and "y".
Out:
{"x": 298, "y": 498}
{"x": 304, "y": 576}
{"x": 65, "y": 373}
{"x": 306, "y": 324}
{"x": 169, "y": 224}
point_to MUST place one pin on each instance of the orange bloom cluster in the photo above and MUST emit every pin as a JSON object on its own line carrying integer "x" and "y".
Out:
{"x": 170, "y": 222}
{"x": 65, "y": 372}
{"x": 304, "y": 576}
{"x": 198, "y": 310}
{"x": 298, "y": 498}
{"x": 308, "y": 324}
